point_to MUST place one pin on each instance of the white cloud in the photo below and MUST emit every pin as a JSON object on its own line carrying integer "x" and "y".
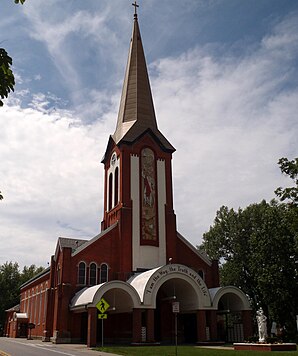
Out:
{"x": 51, "y": 179}
{"x": 73, "y": 39}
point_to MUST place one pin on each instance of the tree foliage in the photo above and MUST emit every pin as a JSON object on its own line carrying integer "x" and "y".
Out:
{"x": 258, "y": 250}
{"x": 7, "y": 81}
{"x": 289, "y": 168}
{"x": 10, "y": 281}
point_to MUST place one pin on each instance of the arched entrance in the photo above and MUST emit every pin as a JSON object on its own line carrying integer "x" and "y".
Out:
{"x": 176, "y": 290}
{"x": 232, "y": 312}
{"x": 117, "y": 327}
{"x": 159, "y": 288}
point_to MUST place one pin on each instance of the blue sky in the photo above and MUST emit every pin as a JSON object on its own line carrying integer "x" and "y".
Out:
{"x": 224, "y": 81}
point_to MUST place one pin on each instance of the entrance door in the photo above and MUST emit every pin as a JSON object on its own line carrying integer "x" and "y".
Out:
{"x": 23, "y": 331}
{"x": 84, "y": 327}
{"x": 189, "y": 328}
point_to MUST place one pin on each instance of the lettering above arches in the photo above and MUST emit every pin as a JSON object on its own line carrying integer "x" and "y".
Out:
{"x": 148, "y": 284}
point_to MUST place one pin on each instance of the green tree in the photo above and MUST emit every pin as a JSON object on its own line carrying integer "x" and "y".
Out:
{"x": 7, "y": 81}
{"x": 10, "y": 281}
{"x": 9, "y": 287}
{"x": 30, "y": 272}
{"x": 290, "y": 194}
{"x": 257, "y": 249}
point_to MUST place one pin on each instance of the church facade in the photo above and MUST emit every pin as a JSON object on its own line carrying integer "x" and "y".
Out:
{"x": 142, "y": 273}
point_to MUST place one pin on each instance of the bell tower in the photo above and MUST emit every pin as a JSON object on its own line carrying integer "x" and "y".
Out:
{"x": 138, "y": 176}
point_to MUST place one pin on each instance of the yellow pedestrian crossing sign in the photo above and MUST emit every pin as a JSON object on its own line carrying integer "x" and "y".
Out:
{"x": 102, "y": 306}
{"x": 102, "y": 316}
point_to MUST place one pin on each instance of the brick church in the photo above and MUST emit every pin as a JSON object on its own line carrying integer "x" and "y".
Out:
{"x": 146, "y": 272}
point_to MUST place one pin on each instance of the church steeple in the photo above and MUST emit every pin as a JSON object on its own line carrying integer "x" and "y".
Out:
{"x": 138, "y": 175}
{"x": 136, "y": 113}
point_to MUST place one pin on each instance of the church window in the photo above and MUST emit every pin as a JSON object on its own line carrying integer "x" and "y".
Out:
{"x": 110, "y": 191}
{"x": 148, "y": 197}
{"x": 35, "y": 305}
{"x": 28, "y": 304}
{"x": 58, "y": 274}
{"x": 92, "y": 274}
{"x": 45, "y": 302}
{"x": 116, "y": 186}
{"x": 40, "y": 305}
{"x": 25, "y": 300}
{"x": 201, "y": 274}
{"x": 103, "y": 273}
{"x": 82, "y": 273}
{"x": 32, "y": 305}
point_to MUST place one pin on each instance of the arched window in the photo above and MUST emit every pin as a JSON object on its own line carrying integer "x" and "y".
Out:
{"x": 58, "y": 274}
{"x": 110, "y": 191}
{"x": 116, "y": 184}
{"x": 25, "y": 300}
{"x": 92, "y": 274}
{"x": 28, "y": 304}
{"x": 82, "y": 273}
{"x": 103, "y": 273}
{"x": 201, "y": 273}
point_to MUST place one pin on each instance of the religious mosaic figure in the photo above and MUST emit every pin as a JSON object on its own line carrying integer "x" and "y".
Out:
{"x": 262, "y": 325}
{"x": 148, "y": 195}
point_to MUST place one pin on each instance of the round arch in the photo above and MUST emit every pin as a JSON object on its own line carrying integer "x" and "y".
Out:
{"x": 112, "y": 291}
{"x": 120, "y": 295}
{"x": 232, "y": 298}
{"x": 147, "y": 285}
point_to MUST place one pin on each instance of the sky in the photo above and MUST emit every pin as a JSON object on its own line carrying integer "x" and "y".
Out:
{"x": 224, "y": 78}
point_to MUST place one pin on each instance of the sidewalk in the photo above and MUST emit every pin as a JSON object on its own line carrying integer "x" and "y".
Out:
{"x": 83, "y": 349}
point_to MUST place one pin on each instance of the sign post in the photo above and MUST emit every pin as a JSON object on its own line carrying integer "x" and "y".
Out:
{"x": 176, "y": 310}
{"x": 102, "y": 307}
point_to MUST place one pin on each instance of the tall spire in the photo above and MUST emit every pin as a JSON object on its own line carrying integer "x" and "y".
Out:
{"x": 136, "y": 112}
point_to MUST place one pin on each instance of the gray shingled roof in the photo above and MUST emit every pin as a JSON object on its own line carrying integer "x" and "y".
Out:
{"x": 72, "y": 243}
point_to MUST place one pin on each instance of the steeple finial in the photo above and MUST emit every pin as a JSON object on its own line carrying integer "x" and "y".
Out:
{"x": 136, "y": 6}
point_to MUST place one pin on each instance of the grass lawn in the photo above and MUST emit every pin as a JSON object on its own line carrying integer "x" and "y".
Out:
{"x": 185, "y": 351}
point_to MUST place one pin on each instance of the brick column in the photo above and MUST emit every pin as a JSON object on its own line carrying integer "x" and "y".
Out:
{"x": 247, "y": 323}
{"x": 137, "y": 325}
{"x": 201, "y": 325}
{"x": 150, "y": 325}
{"x": 213, "y": 325}
{"x": 92, "y": 325}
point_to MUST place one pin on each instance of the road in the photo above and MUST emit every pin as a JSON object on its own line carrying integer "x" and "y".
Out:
{"x": 24, "y": 347}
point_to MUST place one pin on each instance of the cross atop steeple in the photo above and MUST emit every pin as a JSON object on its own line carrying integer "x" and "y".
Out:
{"x": 136, "y": 6}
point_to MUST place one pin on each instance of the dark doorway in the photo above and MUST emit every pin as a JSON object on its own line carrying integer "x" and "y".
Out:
{"x": 164, "y": 322}
{"x": 84, "y": 327}
{"x": 189, "y": 328}
{"x": 23, "y": 330}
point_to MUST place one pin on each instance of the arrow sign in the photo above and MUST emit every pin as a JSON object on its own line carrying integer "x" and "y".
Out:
{"x": 102, "y": 316}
